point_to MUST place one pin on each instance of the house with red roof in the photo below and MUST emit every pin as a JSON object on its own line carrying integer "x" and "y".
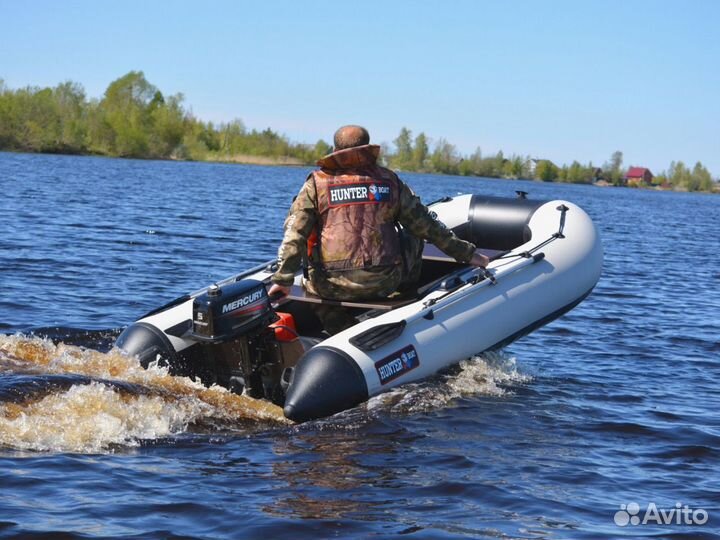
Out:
{"x": 638, "y": 176}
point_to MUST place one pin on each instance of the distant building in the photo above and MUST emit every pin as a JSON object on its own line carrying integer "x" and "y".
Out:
{"x": 638, "y": 176}
{"x": 533, "y": 163}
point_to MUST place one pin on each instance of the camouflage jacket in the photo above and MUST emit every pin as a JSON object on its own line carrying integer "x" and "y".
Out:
{"x": 305, "y": 217}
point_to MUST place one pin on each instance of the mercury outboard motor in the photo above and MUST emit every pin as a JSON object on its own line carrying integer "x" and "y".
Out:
{"x": 227, "y": 341}
{"x": 232, "y": 322}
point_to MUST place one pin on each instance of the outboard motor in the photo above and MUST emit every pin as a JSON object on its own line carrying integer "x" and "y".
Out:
{"x": 228, "y": 341}
{"x": 232, "y": 323}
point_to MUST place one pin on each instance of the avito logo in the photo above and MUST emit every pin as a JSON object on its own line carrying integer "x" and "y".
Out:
{"x": 629, "y": 514}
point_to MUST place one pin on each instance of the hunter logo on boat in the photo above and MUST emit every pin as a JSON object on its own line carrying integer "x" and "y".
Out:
{"x": 398, "y": 363}
{"x": 374, "y": 192}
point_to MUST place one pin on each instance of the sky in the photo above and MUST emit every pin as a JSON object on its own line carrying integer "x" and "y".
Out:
{"x": 554, "y": 79}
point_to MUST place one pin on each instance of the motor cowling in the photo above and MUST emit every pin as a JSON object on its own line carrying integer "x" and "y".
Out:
{"x": 235, "y": 309}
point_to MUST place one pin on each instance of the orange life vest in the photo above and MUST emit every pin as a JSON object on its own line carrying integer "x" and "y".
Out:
{"x": 358, "y": 205}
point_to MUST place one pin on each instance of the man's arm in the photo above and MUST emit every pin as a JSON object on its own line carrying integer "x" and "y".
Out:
{"x": 415, "y": 216}
{"x": 298, "y": 225}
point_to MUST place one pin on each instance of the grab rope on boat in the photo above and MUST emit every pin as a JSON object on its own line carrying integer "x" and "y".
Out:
{"x": 559, "y": 234}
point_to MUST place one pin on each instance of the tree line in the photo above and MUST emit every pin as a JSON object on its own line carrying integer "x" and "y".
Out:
{"x": 415, "y": 154}
{"x": 132, "y": 119}
{"x": 135, "y": 119}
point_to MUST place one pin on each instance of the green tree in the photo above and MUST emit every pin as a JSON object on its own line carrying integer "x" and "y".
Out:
{"x": 230, "y": 136}
{"x": 193, "y": 145}
{"x": 679, "y": 175}
{"x": 420, "y": 152}
{"x": 6, "y": 132}
{"x": 403, "y": 157}
{"x": 470, "y": 165}
{"x": 562, "y": 174}
{"x": 71, "y": 108}
{"x": 515, "y": 167}
{"x": 613, "y": 169}
{"x": 167, "y": 119}
{"x": 700, "y": 178}
{"x": 210, "y": 136}
{"x": 546, "y": 171}
{"x": 490, "y": 167}
{"x": 321, "y": 149}
{"x": 40, "y": 120}
{"x": 126, "y": 110}
{"x": 444, "y": 158}
{"x": 575, "y": 173}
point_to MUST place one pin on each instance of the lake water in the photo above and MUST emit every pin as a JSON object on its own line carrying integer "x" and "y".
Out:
{"x": 613, "y": 404}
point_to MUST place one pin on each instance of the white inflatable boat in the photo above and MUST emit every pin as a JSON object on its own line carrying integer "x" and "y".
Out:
{"x": 546, "y": 257}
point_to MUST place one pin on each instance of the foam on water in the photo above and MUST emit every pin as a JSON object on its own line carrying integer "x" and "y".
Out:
{"x": 113, "y": 401}
{"x": 96, "y": 416}
{"x": 488, "y": 374}
{"x": 91, "y": 418}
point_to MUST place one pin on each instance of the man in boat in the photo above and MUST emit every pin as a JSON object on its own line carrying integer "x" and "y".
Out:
{"x": 344, "y": 223}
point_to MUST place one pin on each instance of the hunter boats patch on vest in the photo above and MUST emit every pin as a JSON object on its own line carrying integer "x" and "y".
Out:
{"x": 375, "y": 192}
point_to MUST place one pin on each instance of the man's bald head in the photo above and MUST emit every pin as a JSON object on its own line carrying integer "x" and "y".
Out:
{"x": 350, "y": 136}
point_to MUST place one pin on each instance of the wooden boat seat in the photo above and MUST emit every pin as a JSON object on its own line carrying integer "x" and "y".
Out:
{"x": 299, "y": 294}
{"x": 430, "y": 252}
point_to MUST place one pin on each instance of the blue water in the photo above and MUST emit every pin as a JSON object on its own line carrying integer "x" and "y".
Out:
{"x": 613, "y": 404}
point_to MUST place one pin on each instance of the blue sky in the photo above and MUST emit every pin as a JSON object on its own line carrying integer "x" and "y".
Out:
{"x": 557, "y": 79}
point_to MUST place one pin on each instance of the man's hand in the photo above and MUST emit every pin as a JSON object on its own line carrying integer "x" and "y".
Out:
{"x": 478, "y": 259}
{"x": 280, "y": 290}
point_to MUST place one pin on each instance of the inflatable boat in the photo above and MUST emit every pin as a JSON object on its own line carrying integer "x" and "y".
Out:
{"x": 546, "y": 257}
